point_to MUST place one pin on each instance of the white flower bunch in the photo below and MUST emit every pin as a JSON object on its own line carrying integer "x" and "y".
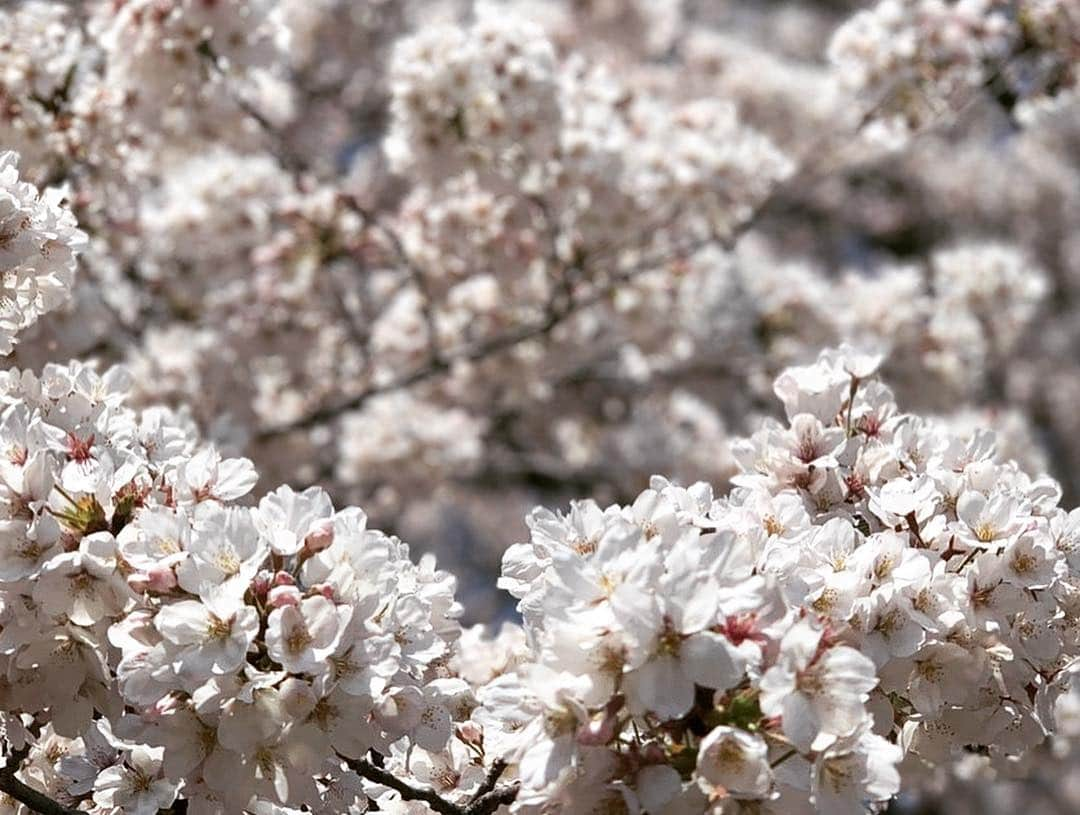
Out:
{"x": 873, "y": 587}
{"x": 39, "y": 241}
{"x": 288, "y": 639}
{"x": 228, "y": 654}
{"x": 483, "y": 95}
{"x": 195, "y": 191}
{"x": 910, "y": 58}
{"x": 396, "y": 433}
{"x": 155, "y": 48}
{"x": 41, "y": 49}
{"x": 451, "y": 260}
{"x": 995, "y": 284}
{"x": 615, "y": 165}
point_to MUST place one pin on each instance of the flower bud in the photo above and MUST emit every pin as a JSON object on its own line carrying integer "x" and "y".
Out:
{"x": 281, "y": 596}
{"x": 260, "y": 584}
{"x": 598, "y": 731}
{"x": 161, "y": 579}
{"x": 471, "y": 733}
{"x": 325, "y": 589}
{"x": 320, "y": 538}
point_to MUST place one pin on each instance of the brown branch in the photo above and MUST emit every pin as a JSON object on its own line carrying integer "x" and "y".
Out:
{"x": 28, "y": 796}
{"x": 485, "y": 802}
{"x": 491, "y": 801}
{"x": 913, "y": 528}
{"x": 554, "y": 316}
{"x": 367, "y": 770}
{"x": 415, "y": 273}
{"x": 498, "y": 767}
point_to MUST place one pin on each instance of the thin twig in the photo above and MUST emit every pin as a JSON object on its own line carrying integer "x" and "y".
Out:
{"x": 415, "y": 273}
{"x": 776, "y": 763}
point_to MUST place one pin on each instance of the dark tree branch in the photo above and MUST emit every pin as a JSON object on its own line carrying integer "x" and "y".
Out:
{"x": 498, "y": 767}
{"x": 484, "y": 803}
{"x": 491, "y": 801}
{"x": 366, "y": 769}
{"x": 554, "y": 315}
{"x": 26, "y": 795}
{"x": 415, "y": 273}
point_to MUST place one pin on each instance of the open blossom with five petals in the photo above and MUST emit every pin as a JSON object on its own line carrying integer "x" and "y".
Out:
{"x": 817, "y": 689}
{"x": 208, "y": 636}
{"x": 301, "y": 637}
{"x": 734, "y": 761}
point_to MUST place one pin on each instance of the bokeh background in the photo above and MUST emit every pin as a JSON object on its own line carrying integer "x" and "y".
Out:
{"x": 327, "y": 242}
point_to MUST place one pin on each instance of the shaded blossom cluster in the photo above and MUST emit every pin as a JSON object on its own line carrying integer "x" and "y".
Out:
{"x": 178, "y": 643}
{"x": 875, "y": 589}
{"x": 39, "y": 241}
{"x": 910, "y": 59}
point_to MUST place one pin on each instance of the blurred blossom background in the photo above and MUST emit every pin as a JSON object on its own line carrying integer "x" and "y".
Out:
{"x": 454, "y": 260}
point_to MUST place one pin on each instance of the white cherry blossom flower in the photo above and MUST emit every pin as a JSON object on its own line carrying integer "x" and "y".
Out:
{"x": 302, "y": 637}
{"x": 211, "y": 635}
{"x": 135, "y": 786}
{"x": 817, "y": 690}
{"x": 734, "y": 761}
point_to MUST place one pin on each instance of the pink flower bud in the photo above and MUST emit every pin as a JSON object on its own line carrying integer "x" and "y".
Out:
{"x": 165, "y": 705}
{"x": 325, "y": 589}
{"x": 161, "y": 579}
{"x": 320, "y": 538}
{"x": 283, "y": 579}
{"x": 471, "y": 733}
{"x": 597, "y": 732}
{"x": 281, "y": 596}
{"x": 260, "y": 584}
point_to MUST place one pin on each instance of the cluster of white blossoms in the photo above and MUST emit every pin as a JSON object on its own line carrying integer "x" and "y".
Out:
{"x": 157, "y": 48}
{"x": 563, "y": 180}
{"x": 40, "y": 48}
{"x": 611, "y": 164}
{"x": 39, "y": 240}
{"x": 474, "y": 94}
{"x": 160, "y": 640}
{"x": 227, "y": 654}
{"x": 951, "y": 320}
{"x": 992, "y": 287}
{"x": 97, "y": 84}
{"x": 874, "y": 587}
{"x": 877, "y": 596}
{"x": 911, "y": 58}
